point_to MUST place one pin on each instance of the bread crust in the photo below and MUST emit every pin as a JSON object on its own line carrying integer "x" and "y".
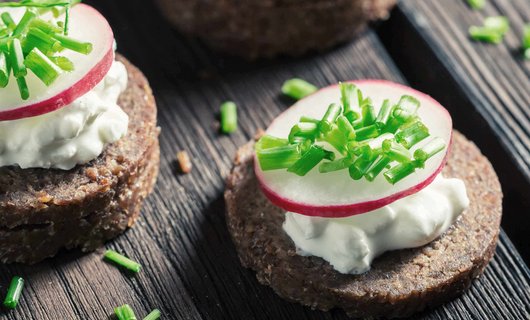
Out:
{"x": 44, "y": 210}
{"x": 266, "y": 28}
{"x": 400, "y": 282}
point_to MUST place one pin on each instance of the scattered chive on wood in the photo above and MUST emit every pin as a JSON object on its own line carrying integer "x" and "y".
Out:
{"x": 124, "y": 312}
{"x": 298, "y": 88}
{"x": 492, "y": 31}
{"x": 14, "y": 292}
{"x": 154, "y": 315}
{"x": 184, "y": 162}
{"x": 228, "y": 117}
{"x": 526, "y": 41}
{"x": 122, "y": 261}
{"x": 476, "y": 4}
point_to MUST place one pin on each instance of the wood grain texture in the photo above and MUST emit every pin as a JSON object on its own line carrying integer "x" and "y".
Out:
{"x": 487, "y": 86}
{"x": 190, "y": 267}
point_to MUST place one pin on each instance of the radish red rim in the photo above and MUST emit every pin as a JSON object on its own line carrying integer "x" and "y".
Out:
{"x": 336, "y": 194}
{"x": 86, "y": 23}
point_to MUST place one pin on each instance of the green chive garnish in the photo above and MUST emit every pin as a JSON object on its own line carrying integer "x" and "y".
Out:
{"x": 359, "y": 167}
{"x": 268, "y": 141}
{"x": 23, "y": 88}
{"x": 17, "y": 59}
{"x": 406, "y": 108}
{"x": 368, "y": 114}
{"x": 4, "y": 71}
{"x": 14, "y": 292}
{"x": 278, "y": 157}
{"x": 309, "y": 119}
{"x": 37, "y": 38}
{"x": 412, "y": 134}
{"x": 476, "y": 4}
{"x": 337, "y": 138}
{"x": 339, "y": 164}
{"x": 329, "y": 118}
{"x": 122, "y": 261}
{"x": 430, "y": 149}
{"x": 154, "y": 315}
{"x": 24, "y": 23}
{"x": 350, "y": 101}
{"x": 526, "y": 41}
{"x": 396, "y": 151}
{"x": 228, "y": 117}
{"x": 384, "y": 114}
{"x": 73, "y": 44}
{"x": 367, "y": 133}
{"x": 42, "y": 66}
{"x": 45, "y": 26}
{"x": 125, "y": 312}
{"x": 63, "y": 62}
{"x": 492, "y": 31}
{"x": 8, "y": 21}
{"x": 309, "y": 160}
{"x": 298, "y": 88}
{"x": 398, "y": 172}
{"x": 345, "y": 126}
{"x": 377, "y": 167}
{"x": 307, "y": 130}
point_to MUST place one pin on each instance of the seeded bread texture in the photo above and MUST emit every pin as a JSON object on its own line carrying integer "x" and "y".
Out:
{"x": 400, "y": 282}
{"x": 42, "y": 211}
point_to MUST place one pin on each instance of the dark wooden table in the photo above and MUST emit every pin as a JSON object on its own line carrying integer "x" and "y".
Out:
{"x": 191, "y": 270}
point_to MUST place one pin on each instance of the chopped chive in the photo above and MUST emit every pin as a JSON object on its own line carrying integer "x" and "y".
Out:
{"x": 526, "y": 41}
{"x": 359, "y": 167}
{"x": 367, "y": 132}
{"x": 398, "y": 172}
{"x": 377, "y": 167}
{"x": 64, "y": 63}
{"x": 309, "y": 160}
{"x": 45, "y": 26}
{"x": 500, "y": 24}
{"x": 8, "y": 21}
{"x": 396, "y": 151}
{"x": 73, "y": 44}
{"x": 476, "y": 4}
{"x": 345, "y": 126}
{"x": 339, "y": 164}
{"x": 430, "y": 149}
{"x": 297, "y": 88}
{"x": 337, "y": 139}
{"x": 308, "y": 130}
{"x": 13, "y": 293}
{"x": 492, "y": 31}
{"x": 368, "y": 114}
{"x": 392, "y": 125}
{"x": 154, "y": 315}
{"x": 329, "y": 118}
{"x": 17, "y": 59}
{"x": 412, "y": 135}
{"x": 406, "y": 108}
{"x": 4, "y": 71}
{"x": 350, "y": 100}
{"x": 37, "y": 38}
{"x": 527, "y": 54}
{"x": 125, "y": 312}
{"x": 228, "y": 117}
{"x": 42, "y": 66}
{"x": 278, "y": 157}
{"x": 23, "y": 88}
{"x": 309, "y": 119}
{"x": 122, "y": 261}
{"x": 384, "y": 114}
{"x": 267, "y": 141}
{"x": 24, "y": 23}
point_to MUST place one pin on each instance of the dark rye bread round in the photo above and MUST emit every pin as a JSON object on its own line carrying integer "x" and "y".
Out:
{"x": 400, "y": 282}
{"x": 42, "y": 211}
{"x": 265, "y": 28}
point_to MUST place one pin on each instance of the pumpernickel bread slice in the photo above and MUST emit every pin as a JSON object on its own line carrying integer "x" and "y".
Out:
{"x": 42, "y": 210}
{"x": 400, "y": 282}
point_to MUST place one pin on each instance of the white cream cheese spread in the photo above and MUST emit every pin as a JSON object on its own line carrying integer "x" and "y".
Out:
{"x": 74, "y": 134}
{"x": 351, "y": 244}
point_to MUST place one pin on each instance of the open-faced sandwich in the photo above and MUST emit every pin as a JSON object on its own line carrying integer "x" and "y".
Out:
{"x": 361, "y": 197}
{"x": 78, "y": 138}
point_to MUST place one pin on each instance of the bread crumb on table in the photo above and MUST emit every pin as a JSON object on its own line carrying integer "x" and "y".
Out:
{"x": 184, "y": 162}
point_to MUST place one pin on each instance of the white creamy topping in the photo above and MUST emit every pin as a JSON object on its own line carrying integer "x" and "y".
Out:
{"x": 351, "y": 244}
{"x": 72, "y": 135}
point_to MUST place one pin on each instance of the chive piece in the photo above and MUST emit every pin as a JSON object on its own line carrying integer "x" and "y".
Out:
{"x": 392, "y": 125}
{"x": 297, "y": 88}
{"x": 37, "y": 38}
{"x": 377, "y": 167}
{"x": 125, "y": 312}
{"x": 309, "y": 160}
{"x": 368, "y": 114}
{"x": 4, "y": 71}
{"x": 23, "y": 88}
{"x": 527, "y": 54}
{"x": 476, "y": 4}
{"x": 430, "y": 149}
{"x": 398, "y": 172}
{"x": 500, "y": 24}
{"x": 17, "y": 59}
{"x": 350, "y": 100}
{"x": 367, "y": 132}
{"x": 359, "y": 167}
{"x": 306, "y": 130}
{"x": 345, "y": 126}
{"x": 122, "y": 261}
{"x": 485, "y": 35}
{"x": 42, "y": 67}
{"x": 24, "y": 23}
{"x": 278, "y": 157}
{"x": 14, "y": 292}
{"x": 337, "y": 139}
{"x": 526, "y": 41}
{"x": 309, "y": 119}
{"x": 267, "y": 141}
{"x": 412, "y": 135}
{"x": 396, "y": 151}
{"x": 329, "y": 118}
{"x": 154, "y": 315}
{"x": 73, "y": 44}
{"x": 339, "y": 164}
{"x": 64, "y": 63}
{"x": 228, "y": 117}
{"x": 45, "y": 26}
{"x": 384, "y": 114}
{"x": 8, "y": 21}
{"x": 406, "y": 108}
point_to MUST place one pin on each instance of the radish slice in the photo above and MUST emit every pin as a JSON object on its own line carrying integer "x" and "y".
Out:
{"x": 335, "y": 194}
{"x": 86, "y": 24}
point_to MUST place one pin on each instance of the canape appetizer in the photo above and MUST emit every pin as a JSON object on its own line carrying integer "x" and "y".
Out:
{"x": 78, "y": 138}
{"x": 255, "y": 29}
{"x": 362, "y": 197}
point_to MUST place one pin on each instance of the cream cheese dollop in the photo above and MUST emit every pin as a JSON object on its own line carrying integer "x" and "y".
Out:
{"x": 351, "y": 244}
{"x": 74, "y": 134}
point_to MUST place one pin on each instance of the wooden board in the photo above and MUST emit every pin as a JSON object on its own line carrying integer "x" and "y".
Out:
{"x": 487, "y": 86}
{"x": 190, "y": 267}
